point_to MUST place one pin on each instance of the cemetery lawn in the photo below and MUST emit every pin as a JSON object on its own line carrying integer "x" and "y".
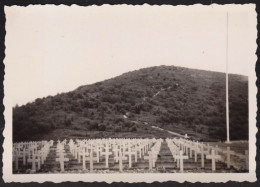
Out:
{"x": 61, "y": 134}
{"x": 237, "y": 146}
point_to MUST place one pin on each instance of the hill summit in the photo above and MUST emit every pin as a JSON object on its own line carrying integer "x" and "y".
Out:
{"x": 142, "y": 104}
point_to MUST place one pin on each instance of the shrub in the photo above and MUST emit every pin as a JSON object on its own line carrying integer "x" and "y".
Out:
{"x": 67, "y": 122}
{"x": 110, "y": 98}
{"x": 76, "y": 128}
{"x": 221, "y": 132}
{"x": 102, "y": 127}
{"x": 118, "y": 129}
{"x": 85, "y": 113}
{"x": 53, "y": 126}
{"x": 137, "y": 108}
{"x": 128, "y": 124}
{"x": 196, "y": 121}
{"x": 133, "y": 129}
{"x": 118, "y": 120}
{"x": 93, "y": 126}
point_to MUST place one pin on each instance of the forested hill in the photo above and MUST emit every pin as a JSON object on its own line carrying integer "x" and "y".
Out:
{"x": 178, "y": 99}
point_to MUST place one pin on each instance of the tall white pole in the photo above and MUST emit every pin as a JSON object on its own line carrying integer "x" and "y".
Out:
{"x": 227, "y": 101}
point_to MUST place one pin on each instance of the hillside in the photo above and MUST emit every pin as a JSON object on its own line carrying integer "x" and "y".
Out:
{"x": 178, "y": 99}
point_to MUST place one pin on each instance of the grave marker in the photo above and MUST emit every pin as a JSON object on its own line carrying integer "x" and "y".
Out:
{"x": 25, "y": 152}
{"x": 84, "y": 154}
{"x": 106, "y": 154}
{"x": 120, "y": 159}
{"x": 33, "y": 160}
{"x": 130, "y": 153}
{"x": 202, "y": 153}
{"x": 16, "y": 158}
{"x": 181, "y": 157}
{"x": 61, "y": 160}
{"x": 91, "y": 159}
{"x": 213, "y": 158}
{"x": 151, "y": 158}
{"x": 228, "y": 152}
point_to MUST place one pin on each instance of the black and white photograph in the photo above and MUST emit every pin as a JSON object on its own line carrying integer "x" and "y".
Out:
{"x": 128, "y": 90}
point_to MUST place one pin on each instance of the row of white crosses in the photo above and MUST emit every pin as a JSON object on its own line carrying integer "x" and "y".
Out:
{"x": 136, "y": 148}
{"x": 118, "y": 149}
{"x": 184, "y": 149}
{"x": 177, "y": 153}
{"x": 83, "y": 150}
{"x": 31, "y": 152}
{"x": 61, "y": 153}
{"x": 153, "y": 154}
{"x": 191, "y": 148}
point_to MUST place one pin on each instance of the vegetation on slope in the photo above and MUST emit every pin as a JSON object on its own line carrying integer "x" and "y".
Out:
{"x": 178, "y": 99}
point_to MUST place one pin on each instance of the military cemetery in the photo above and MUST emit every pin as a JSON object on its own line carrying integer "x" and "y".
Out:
{"x": 118, "y": 127}
{"x": 92, "y": 130}
{"x": 170, "y": 155}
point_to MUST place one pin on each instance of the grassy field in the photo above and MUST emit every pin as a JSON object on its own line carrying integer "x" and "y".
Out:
{"x": 237, "y": 146}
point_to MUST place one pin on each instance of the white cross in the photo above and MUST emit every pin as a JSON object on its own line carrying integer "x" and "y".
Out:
{"x": 120, "y": 159}
{"x": 181, "y": 157}
{"x": 84, "y": 154}
{"x": 38, "y": 160}
{"x": 62, "y": 159}
{"x": 139, "y": 150}
{"x": 190, "y": 151}
{"x": 213, "y": 157}
{"x": 33, "y": 160}
{"x": 151, "y": 157}
{"x": 40, "y": 155}
{"x": 80, "y": 151}
{"x": 19, "y": 147}
{"x": 45, "y": 150}
{"x": 106, "y": 153}
{"x": 228, "y": 152}
{"x": 186, "y": 149}
{"x": 33, "y": 148}
{"x": 123, "y": 146}
{"x": 97, "y": 150}
{"x": 155, "y": 152}
{"x": 130, "y": 153}
{"x": 116, "y": 150}
{"x": 60, "y": 149}
{"x": 202, "y": 153}
{"x": 25, "y": 152}
{"x": 195, "y": 149}
{"x": 91, "y": 159}
{"x": 135, "y": 151}
{"x": 71, "y": 147}
{"x": 16, "y": 158}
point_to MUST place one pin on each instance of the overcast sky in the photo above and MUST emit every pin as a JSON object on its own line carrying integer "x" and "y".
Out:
{"x": 54, "y": 49}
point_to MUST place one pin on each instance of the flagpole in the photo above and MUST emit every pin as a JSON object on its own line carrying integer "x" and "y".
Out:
{"x": 227, "y": 100}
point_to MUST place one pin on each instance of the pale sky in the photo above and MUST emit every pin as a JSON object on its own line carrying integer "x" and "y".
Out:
{"x": 55, "y": 49}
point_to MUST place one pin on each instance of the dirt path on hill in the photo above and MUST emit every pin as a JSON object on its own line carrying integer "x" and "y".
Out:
{"x": 153, "y": 126}
{"x": 171, "y": 132}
